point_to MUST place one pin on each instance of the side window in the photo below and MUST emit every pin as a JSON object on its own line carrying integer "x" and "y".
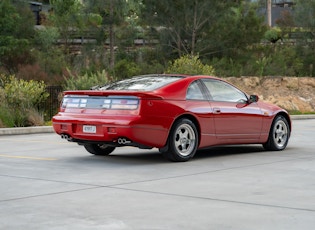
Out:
{"x": 222, "y": 91}
{"x": 194, "y": 92}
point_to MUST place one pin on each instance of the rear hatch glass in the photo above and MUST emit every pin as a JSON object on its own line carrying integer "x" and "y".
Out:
{"x": 142, "y": 83}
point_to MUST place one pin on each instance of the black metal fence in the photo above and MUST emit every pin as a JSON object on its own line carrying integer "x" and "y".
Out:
{"x": 51, "y": 105}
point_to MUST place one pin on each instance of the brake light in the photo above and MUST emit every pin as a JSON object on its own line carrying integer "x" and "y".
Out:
{"x": 126, "y": 103}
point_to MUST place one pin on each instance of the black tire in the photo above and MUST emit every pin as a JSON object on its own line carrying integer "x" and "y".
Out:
{"x": 182, "y": 142}
{"x": 279, "y": 135}
{"x": 99, "y": 149}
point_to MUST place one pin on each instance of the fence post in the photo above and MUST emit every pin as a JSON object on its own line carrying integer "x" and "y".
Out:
{"x": 52, "y": 103}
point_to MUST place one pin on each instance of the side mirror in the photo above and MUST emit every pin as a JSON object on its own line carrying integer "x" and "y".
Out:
{"x": 253, "y": 98}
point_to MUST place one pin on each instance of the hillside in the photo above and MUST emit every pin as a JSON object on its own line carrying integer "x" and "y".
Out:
{"x": 295, "y": 94}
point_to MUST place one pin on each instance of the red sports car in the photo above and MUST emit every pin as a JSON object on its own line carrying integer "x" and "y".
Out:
{"x": 178, "y": 114}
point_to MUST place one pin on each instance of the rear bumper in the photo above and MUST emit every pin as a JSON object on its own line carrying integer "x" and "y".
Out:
{"x": 110, "y": 130}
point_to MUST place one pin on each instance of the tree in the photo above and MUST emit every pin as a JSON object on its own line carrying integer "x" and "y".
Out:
{"x": 304, "y": 16}
{"x": 112, "y": 13}
{"x": 51, "y": 59}
{"x": 14, "y": 45}
{"x": 286, "y": 24}
{"x": 202, "y": 26}
{"x": 68, "y": 18}
{"x": 181, "y": 21}
{"x": 236, "y": 30}
{"x": 304, "y": 13}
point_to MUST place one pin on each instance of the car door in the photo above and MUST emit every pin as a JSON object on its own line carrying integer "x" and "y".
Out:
{"x": 197, "y": 102}
{"x": 234, "y": 117}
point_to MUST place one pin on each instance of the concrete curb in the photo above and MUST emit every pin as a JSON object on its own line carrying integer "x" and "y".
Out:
{"x": 49, "y": 129}
{"x": 303, "y": 117}
{"x": 26, "y": 130}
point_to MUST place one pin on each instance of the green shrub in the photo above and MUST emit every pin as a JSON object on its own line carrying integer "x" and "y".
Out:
{"x": 273, "y": 34}
{"x": 27, "y": 94}
{"x": 85, "y": 81}
{"x": 125, "y": 69}
{"x": 152, "y": 67}
{"x": 6, "y": 118}
{"x": 284, "y": 61}
{"x": 4, "y": 79}
{"x": 227, "y": 67}
{"x": 190, "y": 65}
{"x": 20, "y": 102}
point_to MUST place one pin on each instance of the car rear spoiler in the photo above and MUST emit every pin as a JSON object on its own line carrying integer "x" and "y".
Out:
{"x": 142, "y": 95}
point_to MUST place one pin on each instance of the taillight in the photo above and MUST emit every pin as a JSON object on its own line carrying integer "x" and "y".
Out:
{"x": 91, "y": 102}
{"x": 124, "y": 104}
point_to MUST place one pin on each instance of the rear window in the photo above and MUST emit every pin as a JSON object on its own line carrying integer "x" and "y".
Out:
{"x": 142, "y": 83}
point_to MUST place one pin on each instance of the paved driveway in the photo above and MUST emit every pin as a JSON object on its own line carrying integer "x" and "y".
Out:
{"x": 47, "y": 183}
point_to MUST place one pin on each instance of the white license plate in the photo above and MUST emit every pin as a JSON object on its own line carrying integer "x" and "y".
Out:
{"x": 89, "y": 128}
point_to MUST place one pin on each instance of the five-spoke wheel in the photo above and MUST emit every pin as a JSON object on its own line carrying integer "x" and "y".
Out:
{"x": 183, "y": 141}
{"x": 279, "y": 134}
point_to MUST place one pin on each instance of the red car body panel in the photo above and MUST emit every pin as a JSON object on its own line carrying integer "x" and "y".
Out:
{"x": 150, "y": 124}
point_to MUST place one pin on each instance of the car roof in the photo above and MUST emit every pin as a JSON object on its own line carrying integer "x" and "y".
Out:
{"x": 174, "y": 90}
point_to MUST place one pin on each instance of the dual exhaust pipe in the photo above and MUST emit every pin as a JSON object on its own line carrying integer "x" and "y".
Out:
{"x": 65, "y": 136}
{"x": 123, "y": 141}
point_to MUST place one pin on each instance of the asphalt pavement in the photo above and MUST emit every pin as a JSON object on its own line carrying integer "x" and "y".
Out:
{"x": 48, "y": 183}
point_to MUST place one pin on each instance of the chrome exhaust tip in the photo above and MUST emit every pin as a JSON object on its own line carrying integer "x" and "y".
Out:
{"x": 66, "y": 137}
{"x": 123, "y": 141}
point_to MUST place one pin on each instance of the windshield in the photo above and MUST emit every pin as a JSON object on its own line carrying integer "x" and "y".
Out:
{"x": 141, "y": 83}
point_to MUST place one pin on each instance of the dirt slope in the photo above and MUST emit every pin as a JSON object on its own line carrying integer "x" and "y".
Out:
{"x": 290, "y": 93}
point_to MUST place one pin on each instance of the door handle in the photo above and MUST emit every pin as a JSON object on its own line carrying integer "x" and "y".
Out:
{"x": 216, "y": 110}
